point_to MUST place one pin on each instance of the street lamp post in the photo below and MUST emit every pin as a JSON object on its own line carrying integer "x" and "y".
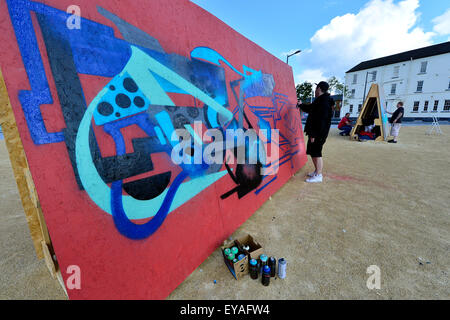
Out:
{"x": 292, "y": 54}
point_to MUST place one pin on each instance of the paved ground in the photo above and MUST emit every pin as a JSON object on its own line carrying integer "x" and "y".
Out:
{"x": 380, "y": 204}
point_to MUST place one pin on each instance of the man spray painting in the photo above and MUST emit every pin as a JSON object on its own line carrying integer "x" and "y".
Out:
{"x": 317, "y": 127}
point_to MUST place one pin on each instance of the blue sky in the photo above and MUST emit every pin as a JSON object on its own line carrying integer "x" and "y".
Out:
{"x": 335, "y": 35}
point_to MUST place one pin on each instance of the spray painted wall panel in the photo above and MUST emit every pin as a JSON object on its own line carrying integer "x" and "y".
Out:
{"x": 97, "y": 100}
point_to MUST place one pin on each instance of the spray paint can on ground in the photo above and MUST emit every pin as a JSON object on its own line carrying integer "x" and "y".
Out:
{"x": 234, "y": 250}
{"x": 273, "y": 265}
{"x": 263, "y": 262}
{"x": 253, "y": 269}
{"x": 282, "y": 268}
{"x": 227, "y": 251}
{"x": 265, "y": 279}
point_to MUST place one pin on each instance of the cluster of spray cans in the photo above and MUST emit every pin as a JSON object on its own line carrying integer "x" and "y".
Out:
{"x": 267, "y": 267}
{"x": 233, "y": 255}
{"x": 239, "y": 256}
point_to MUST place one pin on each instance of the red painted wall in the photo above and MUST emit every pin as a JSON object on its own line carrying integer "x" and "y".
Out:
{"x": 113, "y": 266}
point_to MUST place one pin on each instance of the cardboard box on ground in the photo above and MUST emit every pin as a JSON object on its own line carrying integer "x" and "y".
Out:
{"x": 240, "y": 268}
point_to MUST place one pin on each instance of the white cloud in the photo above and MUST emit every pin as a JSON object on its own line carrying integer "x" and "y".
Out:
{"x": 380, "y": 28}
{"x": 310, "y": 75}
{"x": 442, "y": 24}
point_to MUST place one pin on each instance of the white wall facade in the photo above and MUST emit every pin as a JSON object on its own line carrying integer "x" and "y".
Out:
{"x": 432, "y": 100}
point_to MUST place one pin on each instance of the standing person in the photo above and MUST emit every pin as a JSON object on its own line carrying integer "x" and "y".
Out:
{"x": 317, "y": 127}
{"x": 396, "y": 121}
{"x": 345, "y": 125}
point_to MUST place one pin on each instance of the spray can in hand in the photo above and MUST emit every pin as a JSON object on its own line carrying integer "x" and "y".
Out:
{"x": 254, "y": 269}
{"x": 273, "y": 265}
{"x": 265, "y": 279}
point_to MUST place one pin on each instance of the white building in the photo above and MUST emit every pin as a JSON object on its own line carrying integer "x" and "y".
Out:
{"x": 420, "y": 78}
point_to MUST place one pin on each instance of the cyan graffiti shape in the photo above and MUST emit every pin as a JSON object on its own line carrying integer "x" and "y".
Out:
{"x": 143, "y": 76}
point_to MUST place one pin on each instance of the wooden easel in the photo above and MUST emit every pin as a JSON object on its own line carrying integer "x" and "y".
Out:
{"x": 374, "y": 99}
{"x": 30, "y": 201}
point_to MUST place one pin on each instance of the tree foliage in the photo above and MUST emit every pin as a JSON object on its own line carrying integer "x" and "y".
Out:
{"x": 335, "y": 85}
{"x": 339, "y": 88}
{"x": 304, "y": 91}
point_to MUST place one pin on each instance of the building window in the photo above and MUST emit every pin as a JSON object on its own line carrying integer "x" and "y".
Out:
{"x": 416, "y": 106}
{"x": 436, "y": 104}
{"x": 419, "y": 86}
{"x": 374, "y": 76}
{"x": 423, "y": 67}
{"x": 353, "y": 93}
{"x": 396, "y": 72}
{"x": 355, "y": 79}
{"x": 359, "y": 107}
{"x": 425, "y": 106}
{"x": 447, "y": 105}
{"x": 351, "y": 109}
{"x": 448, "y": 85}
{"x": 393, "y": 88}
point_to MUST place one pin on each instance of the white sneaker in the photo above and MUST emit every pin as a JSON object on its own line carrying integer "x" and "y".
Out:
{"x": 315, "y": 179}
{"x": 311, "y": 174}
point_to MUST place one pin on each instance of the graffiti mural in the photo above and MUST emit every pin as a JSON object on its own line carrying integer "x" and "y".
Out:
{"x": 118, "y": 141}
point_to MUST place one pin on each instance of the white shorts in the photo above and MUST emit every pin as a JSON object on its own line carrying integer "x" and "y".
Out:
{"x": 395, "y": 129}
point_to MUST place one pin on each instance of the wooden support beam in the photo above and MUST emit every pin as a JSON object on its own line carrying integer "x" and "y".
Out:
{"x": 52, "y": 265}
{"x": 21, "y": 171}
{"x": 48, "y": 257}
{"x": 27, "y": 190}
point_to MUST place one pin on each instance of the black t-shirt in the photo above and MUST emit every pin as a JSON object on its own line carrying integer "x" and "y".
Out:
{"x": 320, "y": 113}
{"x": 396, "y": 113}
